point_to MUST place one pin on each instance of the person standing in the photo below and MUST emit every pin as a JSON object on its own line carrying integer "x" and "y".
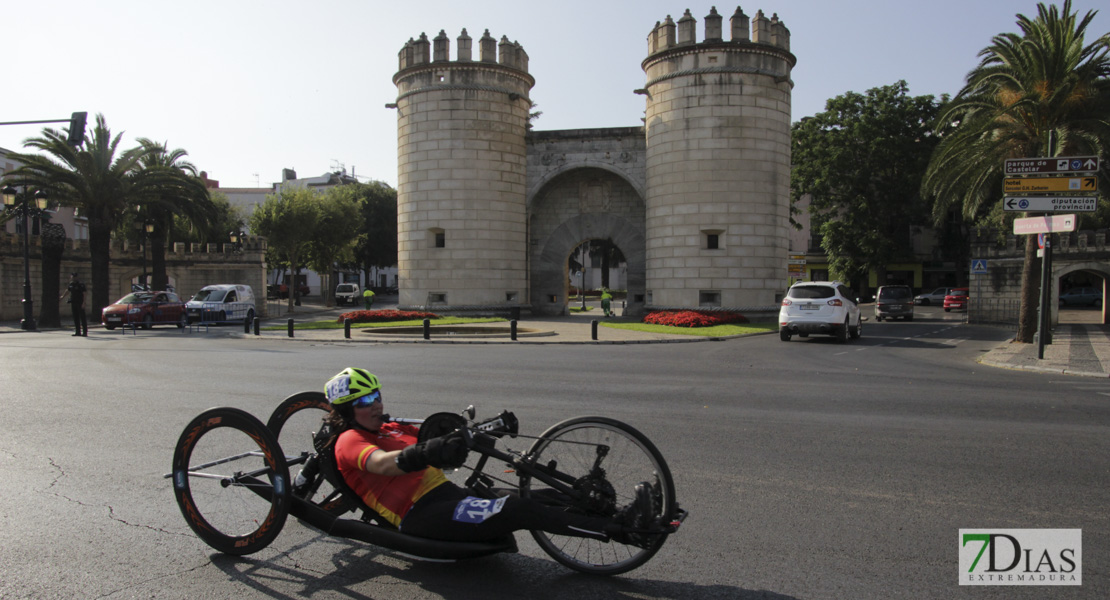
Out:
{"x": 76, "y": 292}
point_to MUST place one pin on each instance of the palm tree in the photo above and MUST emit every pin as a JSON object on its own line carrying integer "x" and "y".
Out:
{"x": 179, "y": 193}
{"x": 1027, "y": 88}
{"x": 98, "y": 180}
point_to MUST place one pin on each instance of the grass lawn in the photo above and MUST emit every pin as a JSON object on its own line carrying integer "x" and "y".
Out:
{"x": 715, "y": 331}
{"x": 331, "y": 323}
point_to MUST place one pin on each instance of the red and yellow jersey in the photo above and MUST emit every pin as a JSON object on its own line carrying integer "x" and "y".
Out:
{"x": 390, "y": 496}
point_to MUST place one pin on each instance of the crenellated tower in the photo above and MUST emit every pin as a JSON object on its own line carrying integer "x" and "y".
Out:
{"x": 718, "y": 161}
{"x": 461, "y": 224}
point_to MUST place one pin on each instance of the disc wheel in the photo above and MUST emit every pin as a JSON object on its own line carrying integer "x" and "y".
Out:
{"x": 231, "y": 481}
{"x": 295, "y": 422}
{"x": 572, "y": 447}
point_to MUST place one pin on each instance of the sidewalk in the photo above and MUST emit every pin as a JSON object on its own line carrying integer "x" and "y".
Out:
{"x": 1076, "y": 349}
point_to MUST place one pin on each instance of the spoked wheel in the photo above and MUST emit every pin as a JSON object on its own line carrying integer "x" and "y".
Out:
{"x": 626, "y": 457}
{"x": 295, "y": 422}
{"x": 231, "y": 481}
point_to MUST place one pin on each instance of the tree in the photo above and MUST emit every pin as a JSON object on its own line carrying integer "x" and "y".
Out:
{"x": 97, "y": 179}
{"x": 377, "y": 246}
{"x": 181, "y": 195}
{"x": 338, "y": 225}
{"x": 861, "y": 161}
{"x": 1027, "y": 87}
{"x": 288, "y": 221}
{"x": 227, "y": 218}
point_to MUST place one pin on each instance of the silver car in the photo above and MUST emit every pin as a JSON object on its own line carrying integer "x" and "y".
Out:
{"x": 934, "y": 297}
{"x": 821, "y": 307}
{"x": 894, "y": 301}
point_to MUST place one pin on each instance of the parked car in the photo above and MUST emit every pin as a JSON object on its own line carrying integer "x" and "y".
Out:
{"x": 348, "y": 293}
{"x": 934, "y": 297}
{"x": 894, "y": 301}
{"x": 1082, "y": 296}
{"x": 957, "y": 299}
{"x": 222, "y": 303}
{"x": 145, "y": 309}
{"x": 823, "y": 307}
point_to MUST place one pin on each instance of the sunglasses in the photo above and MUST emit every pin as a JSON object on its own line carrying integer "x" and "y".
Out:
{"x": 367, "y": 400}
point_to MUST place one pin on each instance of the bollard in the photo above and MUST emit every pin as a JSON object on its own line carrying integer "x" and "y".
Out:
{"x": 246, "y": 325}
{"x": 593, "y": 330}
{"x": 257, "y": 322}
{"x": 512, "y": 329}
{"x": 427, "y": 329}
{"x": 290, "y": 327}
{"x": 346, "y": 329}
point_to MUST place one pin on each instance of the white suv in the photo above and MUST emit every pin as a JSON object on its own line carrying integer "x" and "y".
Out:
{"x": 824, "y": 307}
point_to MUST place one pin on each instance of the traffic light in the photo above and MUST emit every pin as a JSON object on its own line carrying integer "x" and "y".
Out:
{"x": 76, "y": 129}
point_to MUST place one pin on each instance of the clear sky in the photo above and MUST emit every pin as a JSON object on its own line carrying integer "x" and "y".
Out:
{"x": 248, "y": 87}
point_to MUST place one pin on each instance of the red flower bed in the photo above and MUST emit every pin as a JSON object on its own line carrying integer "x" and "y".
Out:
{"x": 693, "y": 318}
{"x": 375, "y": 316}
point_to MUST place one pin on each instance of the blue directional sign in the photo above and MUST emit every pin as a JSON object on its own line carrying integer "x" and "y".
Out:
{"x": 979, "y": 266}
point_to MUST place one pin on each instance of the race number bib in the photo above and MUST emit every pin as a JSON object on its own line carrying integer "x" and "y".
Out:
{"x": 338, "y": 387}
{"x": 477, "y": 510}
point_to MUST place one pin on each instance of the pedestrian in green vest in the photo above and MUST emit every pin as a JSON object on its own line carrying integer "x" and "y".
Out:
{"x": 368, "y": 298}
{"x": 606, "y": 300}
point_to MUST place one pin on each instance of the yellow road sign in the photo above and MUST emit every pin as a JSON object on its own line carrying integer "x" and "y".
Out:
{"x": 1027, "y": 185}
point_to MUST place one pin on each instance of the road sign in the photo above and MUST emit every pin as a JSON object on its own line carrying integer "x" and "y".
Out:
{"x": 1045, "y": 224}
{"x": 1049, "y": 203}
{"x": 1059, "y": 164}
{"x": 1026, "y": 185}
{"x": 979, "y": 266}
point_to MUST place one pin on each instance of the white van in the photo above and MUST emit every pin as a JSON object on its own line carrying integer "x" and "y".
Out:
{"x": 348, "y": 293}
{"x": 222, "y": 303}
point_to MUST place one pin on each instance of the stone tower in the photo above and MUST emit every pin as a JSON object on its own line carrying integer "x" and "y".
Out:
{"x": 461, "y": 223}
{"x": 718, "y": 162}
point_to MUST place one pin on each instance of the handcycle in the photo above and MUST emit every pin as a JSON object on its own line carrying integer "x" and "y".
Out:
{"x": 231, "y": 479}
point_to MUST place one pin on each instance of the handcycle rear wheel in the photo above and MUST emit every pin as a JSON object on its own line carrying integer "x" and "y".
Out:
{"x": 295, "y": 422}
{"x": 630, "y": 459}
{"x": 231, "y": 481}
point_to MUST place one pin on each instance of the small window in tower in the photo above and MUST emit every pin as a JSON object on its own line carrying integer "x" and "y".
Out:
{"x": 712, "y": 239}
{"x": 712, "y": 60}
{"x": 511, "y": 297}
{"x": 437, "y": 237}
{"x": 440, "y": 77}
{"x": 437, "y": 298}
{"x": 709, "y": 298}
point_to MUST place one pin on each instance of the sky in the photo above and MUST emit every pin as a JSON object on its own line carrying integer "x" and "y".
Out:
{"x": 249, "y": 87}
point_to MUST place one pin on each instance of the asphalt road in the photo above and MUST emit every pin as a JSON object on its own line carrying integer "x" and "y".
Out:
{"x": 810, "y": 469}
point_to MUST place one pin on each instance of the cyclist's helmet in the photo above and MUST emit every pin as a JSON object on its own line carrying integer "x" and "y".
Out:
{"x": 350, "y": 385}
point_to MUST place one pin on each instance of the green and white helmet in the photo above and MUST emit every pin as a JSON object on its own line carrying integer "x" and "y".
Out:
{"x": 350, "y": 385}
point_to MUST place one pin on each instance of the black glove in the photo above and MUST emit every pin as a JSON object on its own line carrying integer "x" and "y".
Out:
{"x": 447, "y": 451}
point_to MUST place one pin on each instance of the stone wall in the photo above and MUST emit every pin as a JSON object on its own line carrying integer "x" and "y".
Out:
{"x": 188, "y": 267}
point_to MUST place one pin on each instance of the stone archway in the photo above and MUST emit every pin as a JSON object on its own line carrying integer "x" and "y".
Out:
{"x": 577, "y": 206}
{"x": 1063, "y": 268}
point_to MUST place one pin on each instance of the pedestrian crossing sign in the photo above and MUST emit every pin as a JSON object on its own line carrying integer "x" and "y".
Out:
{"x": 978, "y": 266}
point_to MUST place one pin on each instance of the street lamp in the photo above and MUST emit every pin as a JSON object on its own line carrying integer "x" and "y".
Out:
{"x": 236, "y": 238}
{"x": 23, "y": 211}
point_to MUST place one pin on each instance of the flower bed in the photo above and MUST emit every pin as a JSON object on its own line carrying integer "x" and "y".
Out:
{"x": 375, "y": 316}
{"x": 693, "y": 318}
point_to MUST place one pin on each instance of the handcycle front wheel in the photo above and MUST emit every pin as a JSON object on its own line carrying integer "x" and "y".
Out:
{"x": 627, "y": 458}
{"x": 231, "y": 481}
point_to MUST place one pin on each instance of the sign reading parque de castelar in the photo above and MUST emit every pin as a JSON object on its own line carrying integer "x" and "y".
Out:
{"x": 1051, "y": 165}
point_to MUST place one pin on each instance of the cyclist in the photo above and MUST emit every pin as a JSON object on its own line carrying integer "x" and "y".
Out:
{"x": 403, "y": 482}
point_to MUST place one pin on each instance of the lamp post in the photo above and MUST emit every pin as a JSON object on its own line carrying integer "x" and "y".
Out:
{"x": 236, "y": 238}
{"x": 24, "y": 210}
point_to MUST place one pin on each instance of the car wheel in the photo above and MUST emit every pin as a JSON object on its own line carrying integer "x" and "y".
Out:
{"x": 109, "y": 327}
{"x": 250, "y": 317}
{"x": 878, "y": 319}
{"x": 784, "y": 335}
{"x": 925, "y": 302}
{"x": 856, "y": 331}
{"x": 842, "y": 332}
{"x": 148, "y": 322}
{"x": 909, "y": 317}
{"x": 223, "y": 316}
{"x": 183, "y": 321}
{"x": 946, "y": 309}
